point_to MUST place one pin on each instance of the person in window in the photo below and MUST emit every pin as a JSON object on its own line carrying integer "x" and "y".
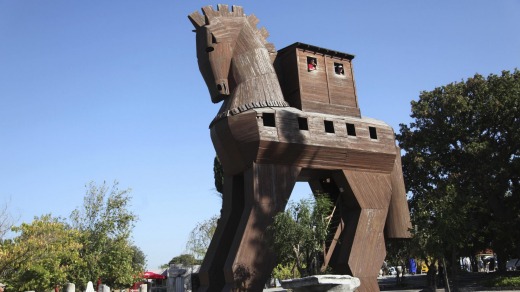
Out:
{"x": 339, "y": 69}
{"x": 312, "y": 65}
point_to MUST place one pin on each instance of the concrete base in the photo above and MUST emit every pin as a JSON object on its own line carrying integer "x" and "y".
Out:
{"x": 336, "y": 283}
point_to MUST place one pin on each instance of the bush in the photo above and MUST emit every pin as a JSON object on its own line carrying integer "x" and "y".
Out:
{"x": 504, "y": 281}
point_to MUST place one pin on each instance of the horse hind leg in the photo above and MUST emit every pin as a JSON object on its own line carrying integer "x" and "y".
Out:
{"x": 398, "y": 223}
{"x": 360, "y": 250}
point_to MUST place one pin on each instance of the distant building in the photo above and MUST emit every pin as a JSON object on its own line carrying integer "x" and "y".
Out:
{"x": 179, "y": 278}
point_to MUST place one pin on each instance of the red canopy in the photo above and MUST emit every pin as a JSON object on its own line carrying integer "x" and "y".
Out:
{"x": 152, "y": 275}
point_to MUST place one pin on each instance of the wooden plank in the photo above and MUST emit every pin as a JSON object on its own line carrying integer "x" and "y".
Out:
{"x": 211, "y": 273}
{"x": 323, "y": 157}
{"x": 398, "y": 222}
{"x": 313, "y": 84}
{"x": 267, "y": 190}
{"x": 341, "y": 86}
{"x": 372, "y": 190}
{"x": 227, "y": 150}
{"x": 288, "y": 77}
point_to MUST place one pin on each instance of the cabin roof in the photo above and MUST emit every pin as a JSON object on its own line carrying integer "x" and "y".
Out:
{"x": 317, "y": 50}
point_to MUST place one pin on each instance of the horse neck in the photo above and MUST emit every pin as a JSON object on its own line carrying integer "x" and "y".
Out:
{"x": 256, "y": 82}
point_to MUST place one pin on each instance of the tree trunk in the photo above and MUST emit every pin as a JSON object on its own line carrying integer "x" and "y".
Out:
{"x": 432, "y": 277}
{"x": 453, "y": 267}
{"x": 502, "y": 260}
{"x": 445, "y": 274}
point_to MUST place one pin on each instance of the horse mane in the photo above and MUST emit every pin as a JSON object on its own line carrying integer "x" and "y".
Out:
{"x": 213, "y": 19}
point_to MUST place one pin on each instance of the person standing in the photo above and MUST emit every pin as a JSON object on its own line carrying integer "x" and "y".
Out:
{"x": 480, "y": 264}
{"x": 413, "y": 266}
{"x": 2, "y": 287}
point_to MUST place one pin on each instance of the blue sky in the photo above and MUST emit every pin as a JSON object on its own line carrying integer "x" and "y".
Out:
{"x": 110, "y": 90}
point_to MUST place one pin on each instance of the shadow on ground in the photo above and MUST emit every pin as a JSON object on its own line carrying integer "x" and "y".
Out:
{"x": 463, "y": 282}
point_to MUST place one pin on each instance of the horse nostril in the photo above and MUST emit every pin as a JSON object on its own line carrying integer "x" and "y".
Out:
{"x": 210, "y": 49}
{"x": 222, "y": 88}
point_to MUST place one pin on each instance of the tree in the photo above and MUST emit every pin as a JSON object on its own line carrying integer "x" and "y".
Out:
{"x": 185, "y": 260}
{"x": 200, "y": 237}
{"x": 106, "y": 222}
{"x": 6, "y": 220}
{"x": 42, "y": 256}
{"x": 462, "y": 166}
{"x": 299, "y": 234}
{"x": 50, "y": 252}
{"x": 138, "y": 258}
{"x": 218, "y": 173}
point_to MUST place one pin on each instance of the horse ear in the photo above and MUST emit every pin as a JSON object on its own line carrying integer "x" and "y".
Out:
{"x": 197, "y": 20}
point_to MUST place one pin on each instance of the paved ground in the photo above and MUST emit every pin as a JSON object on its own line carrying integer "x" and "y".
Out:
{"x": 411, "y": 283}
{"x": 417, "y": 283}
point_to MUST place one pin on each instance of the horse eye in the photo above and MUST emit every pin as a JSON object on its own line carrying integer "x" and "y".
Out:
{"x": 210, "y": 49}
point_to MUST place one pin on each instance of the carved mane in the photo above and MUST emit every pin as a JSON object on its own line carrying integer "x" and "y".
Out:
{"x": 211, "y": 18}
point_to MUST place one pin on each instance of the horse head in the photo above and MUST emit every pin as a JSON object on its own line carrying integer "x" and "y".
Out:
{"x": 216, "y": 35}
{"x": 225, "y": 38}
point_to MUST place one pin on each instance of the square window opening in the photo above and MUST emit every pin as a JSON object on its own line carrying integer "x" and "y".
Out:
{"x": 351, "y": 129}
{"x": 312, "y": 63}
{"x": 329, "y": 126}
{"x": 373, "y": 132}
{"x": 269, "y": 120}
{"x": 338, "y": 69}
{"x": 302, "y": 124}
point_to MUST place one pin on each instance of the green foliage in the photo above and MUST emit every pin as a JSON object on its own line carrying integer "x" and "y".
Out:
{"x": 241, "y": 276}
{"x": 218, "y": 173}
{"x": 200, "y": 237}
{"x": 41, "y": 256}
{"x": 138, "y": 258}
{"x": 506, "y": 282}
{"x": 185, "y": 260}
{"x": 287, "y": 271}
{"x": 399, "y": 251}
{"x": 105, "y": 222}
{"x": 462, "y": 165}
{"x": 300, "y": 232}
{"x": 50, "y": 252}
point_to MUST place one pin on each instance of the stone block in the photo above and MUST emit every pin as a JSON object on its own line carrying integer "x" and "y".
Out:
{"x": 332, "y": 283}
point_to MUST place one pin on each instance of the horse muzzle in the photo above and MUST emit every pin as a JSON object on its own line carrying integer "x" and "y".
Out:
{"x": 222, "y": 87}
{"x": 221, "y": 92}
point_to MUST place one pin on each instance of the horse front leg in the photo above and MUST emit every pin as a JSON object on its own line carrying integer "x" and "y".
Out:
{"x": 250, "y": 259}
{"x": 211, "y": 273}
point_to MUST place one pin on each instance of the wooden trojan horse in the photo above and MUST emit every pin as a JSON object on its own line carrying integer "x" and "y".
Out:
{"x": 298, "y": 122}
